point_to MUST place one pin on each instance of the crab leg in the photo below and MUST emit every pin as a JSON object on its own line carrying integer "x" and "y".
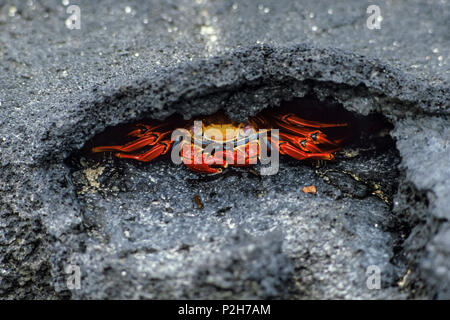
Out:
{"x": 287, "y": 148}
{"x": 148, "y": 140}
{"x": 259, "y": 121}
{"x": 145, "y": 130}
{"x": 159, "y": 149}
{"x": 303, "y": 143}
{"x": 315, "y": 136}
{"x": 294, "y": 120}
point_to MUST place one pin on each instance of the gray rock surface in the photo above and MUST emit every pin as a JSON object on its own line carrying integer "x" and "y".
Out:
{"x": 134, "y": 229}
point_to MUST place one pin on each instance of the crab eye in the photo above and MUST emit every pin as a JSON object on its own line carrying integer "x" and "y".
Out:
{"x": 247, "y": 129}
{"x": 314, "y": 136}
{"x": 194, "y": 129}
{"x": 303, "y": 143}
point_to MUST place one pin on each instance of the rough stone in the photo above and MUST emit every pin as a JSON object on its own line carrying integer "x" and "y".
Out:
{"x": 134, "y": 229}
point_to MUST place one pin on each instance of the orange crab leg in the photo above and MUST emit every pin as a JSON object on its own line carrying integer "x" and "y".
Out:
{"x": 294, "y": 120}
{"x": 259, "y": 121}
{"x": 159, "y": 149}
{"x": 315, "y": 136}
{"x": 145, "y": 130}
{"x": 287, "y": 148}
{"x": 308, "y": 146}
{"x": 303, "y": 143}
{"x": 150, "y": 139}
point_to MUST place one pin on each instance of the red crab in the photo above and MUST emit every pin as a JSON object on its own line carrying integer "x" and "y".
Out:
{"x": 216, "y": 142}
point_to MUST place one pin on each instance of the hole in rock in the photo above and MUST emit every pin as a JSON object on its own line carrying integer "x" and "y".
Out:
{"x": 156, "y": 204}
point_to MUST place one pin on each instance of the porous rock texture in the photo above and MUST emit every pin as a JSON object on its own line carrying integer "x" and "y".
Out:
{"x": 134, "y": 229}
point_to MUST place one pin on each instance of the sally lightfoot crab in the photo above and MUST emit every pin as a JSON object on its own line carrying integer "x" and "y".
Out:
{"x": 214, "y": 142}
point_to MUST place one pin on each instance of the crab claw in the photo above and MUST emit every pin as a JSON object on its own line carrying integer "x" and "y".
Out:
{"x": 203, "y": 168}
{"x": 195, "y": 160}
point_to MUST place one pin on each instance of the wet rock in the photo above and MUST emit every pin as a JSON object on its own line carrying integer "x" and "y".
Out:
{"x": 248, "y": 269}
{"x": 347, "y": 184}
